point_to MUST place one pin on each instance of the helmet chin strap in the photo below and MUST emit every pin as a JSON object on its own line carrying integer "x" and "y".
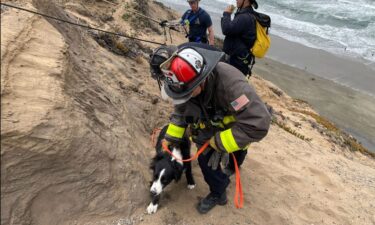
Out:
{"x": 239, "y": 8}
{"x": 164, "y": 95}
{"x": 242, "y": 4}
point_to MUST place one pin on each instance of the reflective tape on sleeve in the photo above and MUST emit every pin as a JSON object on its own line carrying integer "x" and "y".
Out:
{"x": 228, "y": 119}
{"x": 228, "y": 141}
{"x": 175, "y": 131}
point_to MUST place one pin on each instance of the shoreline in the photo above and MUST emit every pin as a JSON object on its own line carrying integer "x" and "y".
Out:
{"x": 340, "y": 69}
{"x": 348, "y": 109}
{"x": 336, "y": 93}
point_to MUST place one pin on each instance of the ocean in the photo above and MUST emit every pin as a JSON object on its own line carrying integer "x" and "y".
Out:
{"x": 338, "y": 26}
{"x": 332, "y": 39}
{"x": 343, "y": 28}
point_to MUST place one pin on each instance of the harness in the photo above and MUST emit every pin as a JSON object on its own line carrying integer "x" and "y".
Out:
{"x": 212, "y": 118}
{"x": 188, "y": 20}
{"x": 247, "y": 59}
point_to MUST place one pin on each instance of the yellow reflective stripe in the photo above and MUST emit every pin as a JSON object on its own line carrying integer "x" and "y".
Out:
{"x": 228, "y": 119}
{"x": 175, "y": 131}
{"x": 228, "y": 141}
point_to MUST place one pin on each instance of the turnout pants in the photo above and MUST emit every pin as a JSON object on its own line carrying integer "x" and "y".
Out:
{"x": 216, "y": 179}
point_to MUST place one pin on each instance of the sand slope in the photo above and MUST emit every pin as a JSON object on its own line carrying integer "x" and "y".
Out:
{"x": 76, "y": 121}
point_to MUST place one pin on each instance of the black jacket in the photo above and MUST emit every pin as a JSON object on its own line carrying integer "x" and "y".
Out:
{"x": 240, "y": 33}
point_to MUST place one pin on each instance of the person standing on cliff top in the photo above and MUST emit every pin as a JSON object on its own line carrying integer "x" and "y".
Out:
{"x": 199, "y": 22}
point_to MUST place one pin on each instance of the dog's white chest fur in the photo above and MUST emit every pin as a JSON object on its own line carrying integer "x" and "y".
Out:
{"x": 177, "y": 153}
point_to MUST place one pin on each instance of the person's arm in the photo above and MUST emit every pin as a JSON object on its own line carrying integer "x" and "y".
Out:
{"x": 250, "y": 120}
{"x": 177, "y": 125}
{"x": 206, "y": 19}
{"x": 211, "y": 36}
{"x": 231, "y": 27}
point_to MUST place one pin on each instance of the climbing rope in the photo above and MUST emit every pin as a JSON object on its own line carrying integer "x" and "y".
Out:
{"x": 80, "y": 25}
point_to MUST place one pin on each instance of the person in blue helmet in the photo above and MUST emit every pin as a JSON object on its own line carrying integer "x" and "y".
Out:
{"x": 214, "y": 103}
{"x": 199, "y": 23}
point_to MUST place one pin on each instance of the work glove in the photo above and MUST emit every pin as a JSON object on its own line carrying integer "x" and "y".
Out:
{"x": 217, "y": 156}
{"x": 203, "y": 134}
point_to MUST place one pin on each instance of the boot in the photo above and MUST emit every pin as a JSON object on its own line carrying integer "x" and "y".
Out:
{"x": 211, "y": 201}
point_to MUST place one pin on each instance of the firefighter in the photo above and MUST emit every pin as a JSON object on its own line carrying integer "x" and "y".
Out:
{"x": 214, "y": 101}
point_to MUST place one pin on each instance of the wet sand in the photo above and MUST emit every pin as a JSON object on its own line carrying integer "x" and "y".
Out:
{"x": 340, "y": 89}
{"x": 354, "y": 73}
{"x": 350, "y": 110}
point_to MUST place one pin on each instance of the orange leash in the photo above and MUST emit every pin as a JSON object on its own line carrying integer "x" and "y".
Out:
{"x": 238, "y": 196}
{"x": 165, "y": 147}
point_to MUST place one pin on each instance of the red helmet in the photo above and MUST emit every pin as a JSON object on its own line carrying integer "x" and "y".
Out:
{"x": 186, "y": 69}
{"x": 183, "y": 68}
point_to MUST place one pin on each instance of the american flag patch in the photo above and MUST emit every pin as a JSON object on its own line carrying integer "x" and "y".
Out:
{"x": 239, "y": 102}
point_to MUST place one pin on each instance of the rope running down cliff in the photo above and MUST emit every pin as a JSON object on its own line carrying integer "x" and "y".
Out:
{"x": 80, "y": 25}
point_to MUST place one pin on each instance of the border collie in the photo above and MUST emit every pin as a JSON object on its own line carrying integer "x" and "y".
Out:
{"x": 166, "y": 168}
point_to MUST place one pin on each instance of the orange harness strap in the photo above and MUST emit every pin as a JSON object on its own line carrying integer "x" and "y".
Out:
{"x": 238, "y": 196}
{"x": 165, "y": 147}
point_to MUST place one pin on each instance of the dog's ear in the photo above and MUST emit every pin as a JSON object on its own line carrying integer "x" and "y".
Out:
{"x": 158, "y": 146}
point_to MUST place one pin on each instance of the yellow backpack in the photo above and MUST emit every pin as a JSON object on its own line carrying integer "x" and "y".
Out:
{"x": 263, "y": 41}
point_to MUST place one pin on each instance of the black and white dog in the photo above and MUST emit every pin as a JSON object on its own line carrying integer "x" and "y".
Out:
{"x": 166, "y": 168}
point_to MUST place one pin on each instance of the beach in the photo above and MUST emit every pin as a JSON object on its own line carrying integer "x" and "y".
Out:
{"x": 328, "y": 82}
{"x": 348, "y": 109}
{"x": 341, "y": 89}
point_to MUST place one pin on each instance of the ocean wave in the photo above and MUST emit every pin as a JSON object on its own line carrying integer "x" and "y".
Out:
{"x": 338, "y": 26}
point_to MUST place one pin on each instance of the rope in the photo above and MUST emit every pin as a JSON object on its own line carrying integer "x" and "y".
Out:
{"x": 200, "y": 151}
{"x": 140, "y": 14}
{"x": 238, "y": 196}
{"x": 162, "y": 23}
{"x": 80, "y": 25}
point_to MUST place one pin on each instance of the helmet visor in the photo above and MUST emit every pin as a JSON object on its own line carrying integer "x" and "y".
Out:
{"x": 203, "y": 67}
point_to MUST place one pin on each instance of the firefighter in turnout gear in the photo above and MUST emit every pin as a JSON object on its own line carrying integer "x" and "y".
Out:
{"x": 216, "y": 103}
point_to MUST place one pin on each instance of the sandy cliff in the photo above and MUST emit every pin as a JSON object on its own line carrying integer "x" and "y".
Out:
{"x": 77, "y": 111}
